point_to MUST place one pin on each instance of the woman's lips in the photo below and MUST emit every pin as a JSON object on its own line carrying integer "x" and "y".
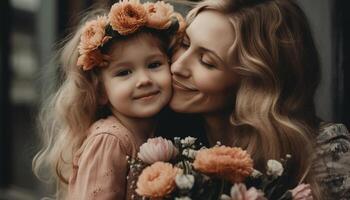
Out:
{"x": 181, "y": 86}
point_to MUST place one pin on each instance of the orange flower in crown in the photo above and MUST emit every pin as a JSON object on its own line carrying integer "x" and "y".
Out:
{"x": 91, "y": 59}
{"x": 124, "y": 18}
{"x": 127, "y": 16}
{"x": 181, "y": 21}
{"x": 159, "y": 14}
{"x": 230, "y": 163}
{"x": 93, "y": 35}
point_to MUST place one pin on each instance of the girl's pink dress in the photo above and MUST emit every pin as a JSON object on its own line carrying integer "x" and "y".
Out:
{"x": 100, "y": 165}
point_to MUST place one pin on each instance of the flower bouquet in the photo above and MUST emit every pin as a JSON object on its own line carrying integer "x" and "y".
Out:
{"x": 186, "y": 170}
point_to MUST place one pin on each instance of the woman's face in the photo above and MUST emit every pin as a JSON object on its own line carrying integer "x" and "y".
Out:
{"x": 203, "y": 79}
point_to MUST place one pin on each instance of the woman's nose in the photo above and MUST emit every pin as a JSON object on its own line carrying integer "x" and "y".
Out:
{"x": 144, "y": 79}
{"x": 180, "y": 63}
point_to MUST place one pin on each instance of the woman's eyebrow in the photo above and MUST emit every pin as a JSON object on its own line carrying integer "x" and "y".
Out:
{"x": 213, "y": 53}
{"x": 186, "y": 36}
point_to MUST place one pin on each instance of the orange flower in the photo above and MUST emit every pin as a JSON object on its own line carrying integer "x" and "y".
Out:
{"x": 181, "y": 20}
{"x": 158, "y": 14}
{"x": 157, "y": 180}
{"x": 230, "y": 163}
{"x": 93, "y": 35}
{"x": 127, "y": 16}
{"x": 91, "y": 59}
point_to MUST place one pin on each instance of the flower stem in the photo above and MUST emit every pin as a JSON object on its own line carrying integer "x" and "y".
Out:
{"x": 222, "y": 184}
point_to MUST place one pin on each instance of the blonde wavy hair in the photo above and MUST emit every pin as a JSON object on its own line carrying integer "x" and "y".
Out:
{"x": 279, "y": 70}
{"x": 67, "y": 113}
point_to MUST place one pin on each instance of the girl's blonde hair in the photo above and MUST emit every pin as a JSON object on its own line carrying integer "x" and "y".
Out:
{"x": 67, "y": 113}
{"x": 279, "y": 70}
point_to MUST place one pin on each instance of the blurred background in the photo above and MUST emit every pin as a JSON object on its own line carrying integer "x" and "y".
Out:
{"x": 31, "y": 28}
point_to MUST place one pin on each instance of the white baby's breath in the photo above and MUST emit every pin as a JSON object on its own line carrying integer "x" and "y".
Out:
{"x": 256, "y": 174}
{"x": 184, "y": 181}
{"x": 188, "y": 141}
{"x": 190, "y": 153}
{"x": 225, "y": 197}
{"x": 274, "y": 168}
{"x": 183, "y": 198}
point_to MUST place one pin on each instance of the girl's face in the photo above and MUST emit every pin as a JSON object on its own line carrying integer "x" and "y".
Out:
{"x": 137, "y": 81}
{"x": 203, "y": 80}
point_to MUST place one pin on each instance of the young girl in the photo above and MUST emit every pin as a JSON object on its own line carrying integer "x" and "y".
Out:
{"x": 115, "y": 66}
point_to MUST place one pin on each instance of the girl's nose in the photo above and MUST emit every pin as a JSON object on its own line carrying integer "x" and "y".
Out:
{"x": 143, "y": 79}
{"x": 180, "y": 65}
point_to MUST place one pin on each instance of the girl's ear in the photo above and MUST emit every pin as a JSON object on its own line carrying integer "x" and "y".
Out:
{"x": 101, "y": 93}
{"x": 102, "y": 97}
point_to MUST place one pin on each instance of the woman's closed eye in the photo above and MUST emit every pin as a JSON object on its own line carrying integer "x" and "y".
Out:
{"x": 206, "y": 63}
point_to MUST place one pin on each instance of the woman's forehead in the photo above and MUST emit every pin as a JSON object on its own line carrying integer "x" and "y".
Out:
{"x": 212, "y": 30}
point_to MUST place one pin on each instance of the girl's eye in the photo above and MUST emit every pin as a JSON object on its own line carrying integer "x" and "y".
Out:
{"x": 154, "y": 65}
{"x": 123, "y": 72}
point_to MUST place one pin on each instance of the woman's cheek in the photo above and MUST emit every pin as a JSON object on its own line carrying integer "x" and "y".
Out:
{"x": 213, "y": 81}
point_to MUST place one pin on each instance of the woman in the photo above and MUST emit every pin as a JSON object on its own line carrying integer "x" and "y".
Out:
{"x": 250, "y": 69}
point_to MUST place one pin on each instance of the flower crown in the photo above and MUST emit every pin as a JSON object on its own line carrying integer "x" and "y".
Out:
{"x": 125, "y": 17}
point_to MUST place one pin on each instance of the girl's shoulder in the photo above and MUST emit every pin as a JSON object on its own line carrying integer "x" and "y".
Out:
{"x": 111, "y": 126}
{"x": 111, "y": 130}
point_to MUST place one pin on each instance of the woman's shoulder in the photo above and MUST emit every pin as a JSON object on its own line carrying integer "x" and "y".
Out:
{"x": 333, "y": 160}
{"x": 332, "y": 131}
{"x": 333, "y": 142}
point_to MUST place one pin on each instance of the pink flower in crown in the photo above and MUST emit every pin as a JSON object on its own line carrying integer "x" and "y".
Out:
{"x": 302, "y": 192}
{"x": 91, "y": 59}
{"x": 158, "y": 14}
{"x": 240, "y": 192}
{"x": 127, "y": 16}
{"x": 93, "y": 35}
{"x": 157, "y": 149}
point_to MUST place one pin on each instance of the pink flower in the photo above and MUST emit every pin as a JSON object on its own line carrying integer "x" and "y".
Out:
{"x": 240, "y": 192}
{"x": 302, "y": 192}
{"x": 157, "y": 149}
